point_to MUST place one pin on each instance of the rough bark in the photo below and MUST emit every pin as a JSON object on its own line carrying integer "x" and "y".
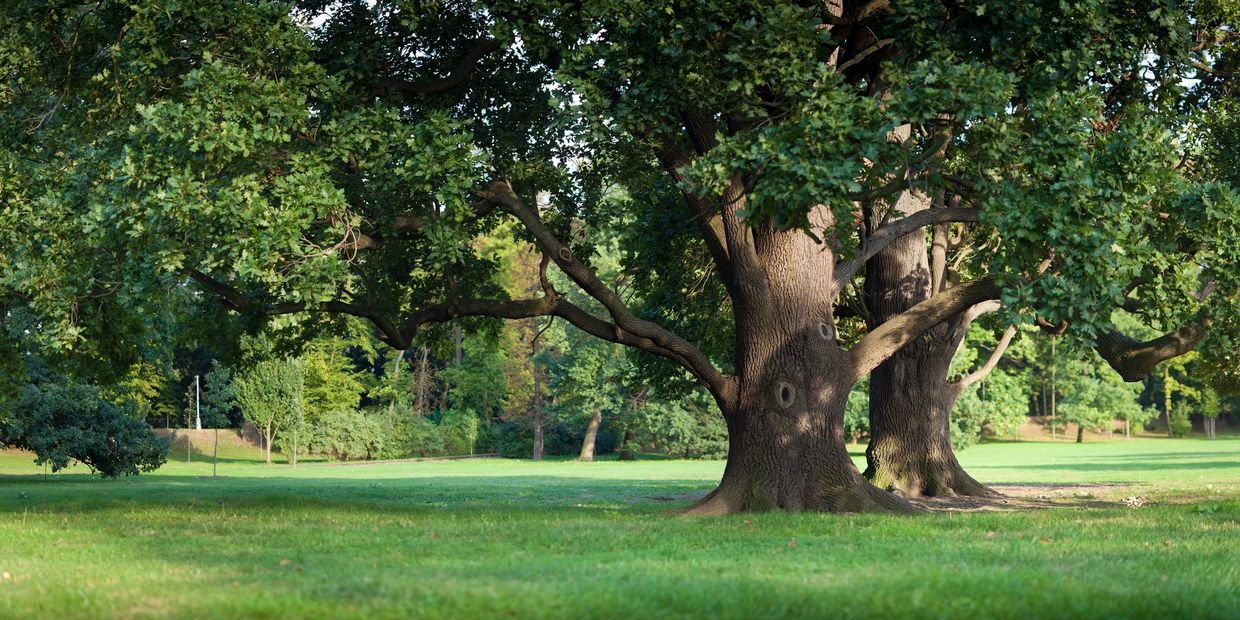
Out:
{"x": 911, "y": 398}
{"x": 792, "y": 458}
{"x": 1134, "y": 360}
{"x": 786, "y": 447}
{"x": 587, "y": 444}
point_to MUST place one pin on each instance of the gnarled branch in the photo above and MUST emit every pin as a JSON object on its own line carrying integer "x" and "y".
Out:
{"x": 885, "y": 235}
{"x": 461, "y": 72}
{"x": 656, "y": 338}
{"x": 1133, "y": 359}
{"x": 889, "y": 337}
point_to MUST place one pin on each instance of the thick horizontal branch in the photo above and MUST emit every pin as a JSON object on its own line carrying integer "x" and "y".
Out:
{"x": 461, "y": 72}
{"x": 889, "y": 337}
{"x": 230, "y": 296}
{"x": 1133, "y": 360}
{"x": 884, "y": 236}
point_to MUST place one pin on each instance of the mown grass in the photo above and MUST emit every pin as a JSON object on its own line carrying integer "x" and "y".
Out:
{"x": 562, "y": 539}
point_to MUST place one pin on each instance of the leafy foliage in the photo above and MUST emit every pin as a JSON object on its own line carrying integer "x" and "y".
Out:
{"x": 64, "y": 421}
{"x": 270, "y": 395}
{"x": 347, "y": 436}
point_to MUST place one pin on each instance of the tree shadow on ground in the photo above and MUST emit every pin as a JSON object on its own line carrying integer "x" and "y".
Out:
{"x": 1121, "y": 466}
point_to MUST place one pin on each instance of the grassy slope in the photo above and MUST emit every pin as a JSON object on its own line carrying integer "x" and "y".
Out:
{"x": 567, "y": 539}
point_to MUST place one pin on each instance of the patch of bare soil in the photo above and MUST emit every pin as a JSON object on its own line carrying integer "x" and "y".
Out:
{"x": 1017, "y": 497}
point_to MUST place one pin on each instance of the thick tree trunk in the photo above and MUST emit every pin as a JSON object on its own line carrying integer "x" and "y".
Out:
{"x": 910, "y": 448}
{"x": 786, "y": 448}
{"x": 792, "y": 458}
{"x": 587, "y": 444}
{"x": 1080, "y": 434}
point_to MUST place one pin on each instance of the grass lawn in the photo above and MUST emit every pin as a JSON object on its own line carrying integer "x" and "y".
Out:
{"x": 564, "y": 539}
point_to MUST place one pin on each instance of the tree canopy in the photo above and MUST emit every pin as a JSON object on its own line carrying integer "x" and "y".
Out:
{"x": 324, "y": 158}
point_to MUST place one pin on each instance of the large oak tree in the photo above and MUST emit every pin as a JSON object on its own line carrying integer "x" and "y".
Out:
{"x": 324, "y": 158}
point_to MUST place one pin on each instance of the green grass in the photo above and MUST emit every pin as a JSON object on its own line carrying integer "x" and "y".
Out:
{"x": 563, "y": 539}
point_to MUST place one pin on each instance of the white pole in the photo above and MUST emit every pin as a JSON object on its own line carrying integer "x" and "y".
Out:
{"x": 197, "y": 404}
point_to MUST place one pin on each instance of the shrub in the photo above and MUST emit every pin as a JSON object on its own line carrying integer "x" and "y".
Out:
{"x": 60, "y": 422}
{"x": 415, "y": 435}
{"x": 349, "y": 436}
{"x": 1181, "y": 426}
{"x": 459, "y": 429}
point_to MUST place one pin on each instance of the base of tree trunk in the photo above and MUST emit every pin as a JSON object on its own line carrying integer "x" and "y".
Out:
{"x": 737, "y": 497}
{"x": 813, "y": 474}
{"x": 921, "y": 472}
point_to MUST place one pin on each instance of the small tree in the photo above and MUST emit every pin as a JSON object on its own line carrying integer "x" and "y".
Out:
{"x": 1133, "y": 415}
{"x": 218, "y": 401}
{"x": 1179, "y": 424}
{"x": 264, "y": 394}
{"x": 332, "y": 384}
{"x": 1211, "y": 406}
{"x": 1095, "y": 395}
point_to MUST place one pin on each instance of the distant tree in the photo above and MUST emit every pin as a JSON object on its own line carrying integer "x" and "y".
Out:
{"x": 1181, "y": 392}
{"x": 478, "y": 383}
{"x": 269, "y": 394}
{"x": 587, "y": 378}
{"x": 1094, "y": 396}
{"x": 332, "y": 383}
{"x": 147, "y": 385}
{"x": 1211, "y": 407}
{"x": 218, "y": 396}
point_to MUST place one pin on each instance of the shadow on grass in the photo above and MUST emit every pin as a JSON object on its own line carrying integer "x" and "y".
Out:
{"x": 82, "y": 493}
{"x": 1120, "y": 466}
{"x": 1166, "y": 456}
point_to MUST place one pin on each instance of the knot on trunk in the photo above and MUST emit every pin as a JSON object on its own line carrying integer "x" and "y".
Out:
{"x": 785, "y": 394}
{"x": 826, "y": 331}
